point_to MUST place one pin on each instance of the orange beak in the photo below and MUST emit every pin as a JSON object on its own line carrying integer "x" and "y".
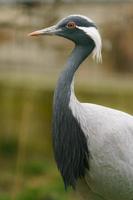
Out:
{"x": 34, "y": 33}
{"x": 46, "y": 31}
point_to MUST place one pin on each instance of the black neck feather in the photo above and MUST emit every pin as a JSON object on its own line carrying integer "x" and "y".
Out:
{"x": 70, "y": 146}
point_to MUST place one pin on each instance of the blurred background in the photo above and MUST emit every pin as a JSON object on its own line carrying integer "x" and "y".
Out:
{"x": 29, "y": 68}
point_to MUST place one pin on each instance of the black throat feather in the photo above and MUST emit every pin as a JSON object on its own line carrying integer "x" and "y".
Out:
{"x": 69, "y": 141}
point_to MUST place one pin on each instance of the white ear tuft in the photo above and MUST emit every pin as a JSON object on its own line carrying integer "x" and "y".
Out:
{"x": 95, "y": 36}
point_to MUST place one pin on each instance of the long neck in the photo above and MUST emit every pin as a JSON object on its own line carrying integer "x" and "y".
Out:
{"x": 77, "y": 56}
{"x": 70, "y": 146}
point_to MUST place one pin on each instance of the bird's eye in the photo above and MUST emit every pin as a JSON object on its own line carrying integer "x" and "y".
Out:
{"x": 71, "y": 25}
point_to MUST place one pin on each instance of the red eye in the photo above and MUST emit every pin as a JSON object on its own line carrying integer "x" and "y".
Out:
{"x": 71, "y": 25}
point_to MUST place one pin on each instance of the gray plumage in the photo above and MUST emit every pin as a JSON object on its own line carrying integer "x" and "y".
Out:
{"x": 93, "y": 144}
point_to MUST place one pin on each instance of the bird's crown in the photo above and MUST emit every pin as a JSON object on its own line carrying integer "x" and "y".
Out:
{"x": 79, "y": 20}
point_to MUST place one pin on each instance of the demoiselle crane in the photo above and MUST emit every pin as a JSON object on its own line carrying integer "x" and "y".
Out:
{"x": 93, "y": 144}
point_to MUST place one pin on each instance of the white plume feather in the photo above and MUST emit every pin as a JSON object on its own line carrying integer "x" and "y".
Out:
{"x": 95, "y": 36}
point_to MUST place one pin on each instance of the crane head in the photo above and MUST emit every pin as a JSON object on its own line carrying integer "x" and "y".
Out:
{"x": 77, "y": 28}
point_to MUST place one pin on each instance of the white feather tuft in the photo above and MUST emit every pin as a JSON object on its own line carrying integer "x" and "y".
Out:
{"x": 95, "y": 36}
